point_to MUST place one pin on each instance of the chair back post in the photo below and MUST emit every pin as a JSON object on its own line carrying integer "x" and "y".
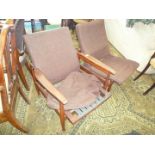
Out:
{"x": 4, "y": 97}
{"x": 8, "y": 61}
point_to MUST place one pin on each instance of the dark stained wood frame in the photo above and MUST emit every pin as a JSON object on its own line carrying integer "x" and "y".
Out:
{"x": 8, "y": 113}
{"x": 41, "y": 81}
{"x": 13, "y": 40}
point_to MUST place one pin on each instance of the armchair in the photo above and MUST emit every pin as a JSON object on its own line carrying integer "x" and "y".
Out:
{"x": 72, "y": 92}
{"x": 93, "y": 40}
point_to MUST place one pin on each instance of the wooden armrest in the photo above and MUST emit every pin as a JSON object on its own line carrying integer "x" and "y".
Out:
{"x": 96, "y": 63}
{"x": 49, "y": 86}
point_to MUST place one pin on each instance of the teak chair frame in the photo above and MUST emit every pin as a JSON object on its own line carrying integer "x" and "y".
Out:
{"x": 9, "y": 64}
{"x": 42, "y": 83}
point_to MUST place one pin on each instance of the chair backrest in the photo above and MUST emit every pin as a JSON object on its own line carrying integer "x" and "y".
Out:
{"x": 53, "y": 53}
{"x": 19, "y": 31}
{"x": 92, "y": 38}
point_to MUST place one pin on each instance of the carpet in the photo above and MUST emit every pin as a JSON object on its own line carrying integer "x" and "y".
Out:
{"x": 126, "y": 111}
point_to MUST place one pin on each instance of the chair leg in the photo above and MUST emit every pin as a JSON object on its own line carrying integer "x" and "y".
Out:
{"x": 11, "y": 118}
{"x": 62, "y": 116}
{"x": 144, "y": 70}
{"x": 147, "y": 91}
{"x": 107, "y": 83}
{"x": 23, "y": 95}
{"x": 22, "y": 77}
{"x": 33, "y": 77}
{"x": 110, "y": 85}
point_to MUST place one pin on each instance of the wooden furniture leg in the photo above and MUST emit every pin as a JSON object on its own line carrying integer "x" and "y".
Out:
{"x": 22, "y": 77}
{"x": 145, "y": 69}
{"x": 11, "y": 118}
{"x": 147, "y": 91}
{"x": 23, "y": 95}
{"x": 62, "y": 116}
{"x": 30, "y": 69}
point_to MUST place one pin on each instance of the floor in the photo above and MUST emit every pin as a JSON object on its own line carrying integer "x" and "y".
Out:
{"x": 127, "y": 112}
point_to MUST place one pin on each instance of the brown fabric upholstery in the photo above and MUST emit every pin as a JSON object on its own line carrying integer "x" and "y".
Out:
{"x": 123, "y": 67}
{"x": 93, "y": 40}
{"x": 80, "y": 89}
{"x": 19, "y": 32}
{"x": 53, "y": 53}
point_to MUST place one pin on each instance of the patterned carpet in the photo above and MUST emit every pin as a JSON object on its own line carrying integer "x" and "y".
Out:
{"x": 127, "y": 112}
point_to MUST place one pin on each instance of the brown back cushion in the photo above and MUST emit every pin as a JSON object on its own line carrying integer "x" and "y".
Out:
{"x": 92, "y": 38}
{"x": 53, "y": 53}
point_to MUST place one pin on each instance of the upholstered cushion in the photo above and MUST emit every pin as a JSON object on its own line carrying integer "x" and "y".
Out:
{"x": 6, "y": 81}
{"x": 123, "y": 67}
{"x": 53, "y": 53}
{"x": 152, "y": 62}
{"x": 19, "y": 31}
{"x": 92, "y": 38}
{"x": 79, "y": 88}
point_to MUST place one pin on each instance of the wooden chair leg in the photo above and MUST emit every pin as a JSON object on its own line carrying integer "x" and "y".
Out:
{"x": 23, "y": 95}
{"x": 62, "y": 116}
{"x": 110, "y": 85}
{"x": 33, "y": 77}
{"x": 22, "y": 77}
{"x": 144, "y": 70}
{"x": 11, "y": 118}
{"x": 107, "y": 83}
{"x": 147, "y": 91}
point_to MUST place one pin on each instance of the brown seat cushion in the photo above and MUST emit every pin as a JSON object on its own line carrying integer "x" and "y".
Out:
{"x": 93, "y": 40}
{"x": 79, "y": 88}
{"x": 123, "y": 67}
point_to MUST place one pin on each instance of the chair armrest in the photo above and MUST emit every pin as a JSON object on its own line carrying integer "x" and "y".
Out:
{"x": 96, "y": 63}
{"x": 49, "y": 86}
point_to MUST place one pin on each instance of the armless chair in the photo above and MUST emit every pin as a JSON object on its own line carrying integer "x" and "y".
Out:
{"x": 9, "y": 83}
{"x": 71, "y": 92}
{"x": 93, "y": 40}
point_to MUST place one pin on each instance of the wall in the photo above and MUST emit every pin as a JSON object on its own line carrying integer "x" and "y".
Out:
{"x": 137, "y": 43}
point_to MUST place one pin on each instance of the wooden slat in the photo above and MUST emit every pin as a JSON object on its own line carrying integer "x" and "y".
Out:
{"x": 77, "y": 114}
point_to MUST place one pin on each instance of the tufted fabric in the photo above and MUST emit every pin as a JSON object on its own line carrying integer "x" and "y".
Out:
{"x": 93, "y": 40}
{"x": 80, "y": 89}
{"x": 53, "y": 53}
